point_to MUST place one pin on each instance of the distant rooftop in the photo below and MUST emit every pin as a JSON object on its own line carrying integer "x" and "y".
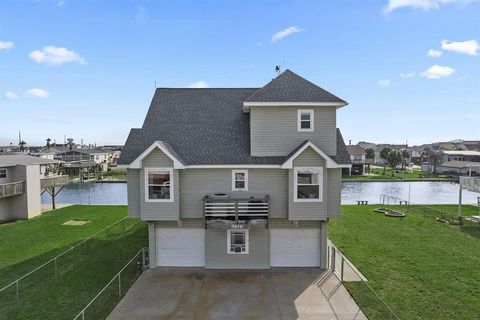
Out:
{"x": 355, "y": 150}
{"x": 11, "y": 160}
{"x": 462, "y": 153}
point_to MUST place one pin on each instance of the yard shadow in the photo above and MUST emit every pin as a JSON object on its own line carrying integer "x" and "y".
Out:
{"x": 62, "y": 290}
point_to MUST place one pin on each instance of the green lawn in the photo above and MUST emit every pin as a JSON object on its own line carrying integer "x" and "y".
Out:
{"x": 421, "y": 268}
{"x": 117, "y": 174}
{"x": 80, "y": 273}
{"x": 377, "y": 174}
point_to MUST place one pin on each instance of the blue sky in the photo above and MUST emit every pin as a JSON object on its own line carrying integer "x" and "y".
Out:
{"x": 87, "y": 68}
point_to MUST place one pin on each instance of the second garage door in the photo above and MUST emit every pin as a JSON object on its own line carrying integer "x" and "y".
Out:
{"x": 294, "y": 247}
{"x": 180, "y": 247}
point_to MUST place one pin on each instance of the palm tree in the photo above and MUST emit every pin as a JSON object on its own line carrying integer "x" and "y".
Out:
{"x": 70, "y": 143}
{"x": 48, "y": 143}
{"x": 384, "y": 155}
{"x": 394, "y": 158}
{"x": 432, "y": 157}
{"x": 22, "y": 144}
{"x": 370, "y": 153}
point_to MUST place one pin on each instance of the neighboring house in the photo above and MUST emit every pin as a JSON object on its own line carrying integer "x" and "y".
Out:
{"x": 465, "y": 155}
{"x": 50, "y": 152}
{"x": 357, "y": 157}
{"x": 84, "y": 159}
{"x": 241, "y": 178}
{"x": 453, "y": 167}
{"x": 22, "y": 180}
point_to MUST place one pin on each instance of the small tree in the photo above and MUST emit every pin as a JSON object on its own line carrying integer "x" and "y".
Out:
{"x": 70, "y": 143}
{"x": 370, "y": 153}
{"x": 22, "y": 144}
{"x": 432, "y": 157}
{"x": 384, "y": 155}
{"x": 405, "y": 157}
{"x": 394, "y": 158}
{"x": 48, "y": 143}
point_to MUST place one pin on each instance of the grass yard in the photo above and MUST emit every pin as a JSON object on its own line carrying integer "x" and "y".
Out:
{"x": 421, "y": 268}
{"x": 80, "y": 273}
{"x": 117, "y": 174}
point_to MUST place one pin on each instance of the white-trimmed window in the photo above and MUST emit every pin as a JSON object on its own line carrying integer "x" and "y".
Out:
{"x": 305, "y": 120}
{"x": 237, "y": 241}
{"x": 308, "y": 184}
{"x": 3, "y": 173}
{"x": 159, "y": 185}
{"x": 239, "y": 180}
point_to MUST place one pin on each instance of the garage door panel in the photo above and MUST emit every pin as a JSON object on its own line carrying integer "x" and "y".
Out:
{"x": 294, "y": 247}
{"x": 180, "y": 247}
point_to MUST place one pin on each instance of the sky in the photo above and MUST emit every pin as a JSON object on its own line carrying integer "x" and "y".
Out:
{"x": 87, "y": 69}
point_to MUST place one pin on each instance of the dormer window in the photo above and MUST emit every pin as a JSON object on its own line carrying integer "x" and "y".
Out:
{"x": 305, "y": 120}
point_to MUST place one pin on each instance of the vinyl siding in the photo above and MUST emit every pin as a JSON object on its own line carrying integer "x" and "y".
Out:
{"x": 159, "y": 210}
{"x": 257, "y": 258}
{"x": 273, "y": 130}
{"x": 307, "y": 210}
{"x": 133, "y": 193}
{"x": 287, "y": 224}
{"x": 196, "y": 183}
{"x": 185, "y": 223}
{"x": 334, "y": 192}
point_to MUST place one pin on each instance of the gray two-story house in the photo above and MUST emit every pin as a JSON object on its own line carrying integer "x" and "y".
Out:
{"x": 242, "y": 178}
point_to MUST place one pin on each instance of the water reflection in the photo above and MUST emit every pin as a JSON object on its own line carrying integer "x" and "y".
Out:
{"x": 420, "y": 192}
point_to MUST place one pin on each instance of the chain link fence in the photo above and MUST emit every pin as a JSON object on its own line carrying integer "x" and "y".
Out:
{"x": 467, "y": 224}
{"x": 104, "y": 302}
{"x": 43, "y": 286}
{"x": 372, "y": 306}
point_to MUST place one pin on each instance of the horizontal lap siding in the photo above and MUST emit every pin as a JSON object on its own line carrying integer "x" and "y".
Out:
{"x": 273, "y": 130}
{"x": 257, "y": 258}
{"x": 159, "y": 210}
{"x": 133, "y": 193}
{"x": 196, "y": 183}
{"x": 185, "y": 223}
{"x": 287, "y": 224}
{"x": 334, "y": 192}
{"x": 307, "y": 210}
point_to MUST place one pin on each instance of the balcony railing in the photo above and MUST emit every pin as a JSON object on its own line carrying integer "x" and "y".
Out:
{"x": 225, "y": 212}
{"x": 11, "y": 189}
{"x": 53, "y": 181}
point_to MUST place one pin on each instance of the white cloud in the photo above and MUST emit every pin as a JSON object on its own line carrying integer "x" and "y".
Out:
{"x": 198, "y": 84}
{"x": 437, "y": 72}
{"x": 418, "y": 4}
{"x": 55, "y": 56}
{"x": 5, "y": 45}
{"x": 37, "y": 93}
{"x": 284, "y": 33}
{"x": 408, "y": 75}
{"x": 10, "y": 95}
{"x": 384, "y": 83}
{"x": 434, "y": 53}
{"x": 470, "y": 47}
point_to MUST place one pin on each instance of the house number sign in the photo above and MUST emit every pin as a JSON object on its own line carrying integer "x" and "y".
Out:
{"x": 237, "y": 226}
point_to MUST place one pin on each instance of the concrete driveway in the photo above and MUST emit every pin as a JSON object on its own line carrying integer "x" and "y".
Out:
{"x": 190, "y": 293}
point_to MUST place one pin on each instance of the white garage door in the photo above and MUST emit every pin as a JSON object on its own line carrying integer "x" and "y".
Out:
{"x": 294, "y": 247}
{"x": 180, "y": 247}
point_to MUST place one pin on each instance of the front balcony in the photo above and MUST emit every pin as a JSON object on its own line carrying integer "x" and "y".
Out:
{"x": 53, "y": 181}
{"x": 11, "y": 189}
{"x": 224, "y": 212}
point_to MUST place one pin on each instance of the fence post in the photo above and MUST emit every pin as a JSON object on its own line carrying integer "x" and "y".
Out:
{"x": 119, "y": 286}
{"x": 341, "y": 269}
{"x": 333, "y": 258}
{"x": 16, "y": 292}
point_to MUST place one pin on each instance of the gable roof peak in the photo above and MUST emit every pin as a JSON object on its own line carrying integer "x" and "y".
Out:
{"x": 289, "y": 87}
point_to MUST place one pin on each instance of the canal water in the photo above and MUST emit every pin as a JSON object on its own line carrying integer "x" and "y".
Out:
{"x": 421, "y": 192}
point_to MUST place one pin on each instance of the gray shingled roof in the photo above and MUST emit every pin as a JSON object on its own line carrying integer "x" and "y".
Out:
{"x": 355, "y": 150}
{"x": 204, "y": 127}
{"x": 290, "y": 87}
{"x": 11, "y": 160}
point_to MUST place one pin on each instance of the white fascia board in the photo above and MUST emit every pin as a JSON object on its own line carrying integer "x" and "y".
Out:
{"x": 247, "y": 105}
{"x": 234, "y": 166}
{"x": 329, "y": 161}
{"x": 137, "y": 163}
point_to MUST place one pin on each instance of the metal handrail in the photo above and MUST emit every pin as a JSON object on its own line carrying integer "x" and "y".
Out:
{"x": 82, "y": 312}
{"x": 353, "y": 268}
{"x": 54, "y": 259}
